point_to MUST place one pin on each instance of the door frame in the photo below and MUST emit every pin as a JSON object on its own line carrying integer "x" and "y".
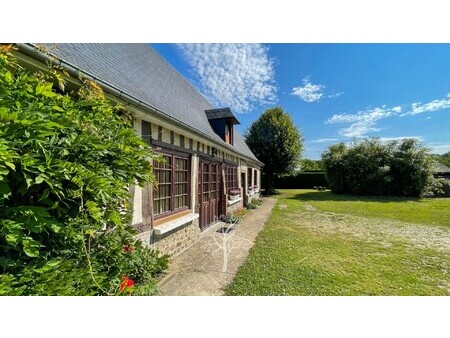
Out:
{"x": 205, "y": 221}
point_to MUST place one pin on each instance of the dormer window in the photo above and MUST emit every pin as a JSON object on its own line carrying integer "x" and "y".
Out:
{"x": 222, "y": 122}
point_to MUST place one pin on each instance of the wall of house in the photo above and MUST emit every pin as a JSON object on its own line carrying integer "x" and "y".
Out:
{"x": 174, "y": 242}
{"x": 185, "y": 234}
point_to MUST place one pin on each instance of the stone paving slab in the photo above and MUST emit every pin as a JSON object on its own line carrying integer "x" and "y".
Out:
{"x": 198, "y": 270}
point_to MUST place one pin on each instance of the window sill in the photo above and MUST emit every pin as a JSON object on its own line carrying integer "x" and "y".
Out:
{"x": 234, "y": 201}
{"x": 176, "y": 223}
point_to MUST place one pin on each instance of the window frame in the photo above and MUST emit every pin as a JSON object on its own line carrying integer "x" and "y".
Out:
{"x": 250, "y": 179}
{"x": 234, "y": 175}
{"x": 174, "y": 155}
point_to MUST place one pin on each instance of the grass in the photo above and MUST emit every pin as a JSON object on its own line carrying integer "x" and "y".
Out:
{"x": 431, "y": 211}
{"x": 315, "y": 243}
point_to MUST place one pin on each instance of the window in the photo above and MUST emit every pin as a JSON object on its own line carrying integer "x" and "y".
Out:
{"x": 249, "y": 178}
{"x": 172, "y": 191}
{"x": 232, "y": 181}
{"x": 255, "y": 175}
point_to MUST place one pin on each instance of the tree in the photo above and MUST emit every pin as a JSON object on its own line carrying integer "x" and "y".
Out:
{"x": 371, "y": 167}
{"x": 277, "y": 142}
{"x": 311, "y": 165}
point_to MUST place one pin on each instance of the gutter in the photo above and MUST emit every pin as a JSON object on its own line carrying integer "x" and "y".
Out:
{"x": 30, "y": 50}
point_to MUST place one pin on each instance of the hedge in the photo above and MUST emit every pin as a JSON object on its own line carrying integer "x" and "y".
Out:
{"x": 303, "y": 180}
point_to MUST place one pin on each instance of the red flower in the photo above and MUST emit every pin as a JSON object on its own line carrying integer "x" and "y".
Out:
{"x": 127, "y": 248}
{"x": 126, "y": 283}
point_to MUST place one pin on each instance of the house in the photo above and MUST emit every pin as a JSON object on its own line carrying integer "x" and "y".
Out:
{"x": 439, "y": 170}
{"x": 208, "y": 168}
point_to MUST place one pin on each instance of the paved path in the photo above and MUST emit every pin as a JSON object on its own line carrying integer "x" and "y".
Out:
{"x": 198, "y": 270}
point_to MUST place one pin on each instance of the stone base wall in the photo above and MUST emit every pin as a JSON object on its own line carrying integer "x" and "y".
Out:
{"x": 236, "y": 206}
{"x": 174, "y": 242}
{"x": 254, "y": 196}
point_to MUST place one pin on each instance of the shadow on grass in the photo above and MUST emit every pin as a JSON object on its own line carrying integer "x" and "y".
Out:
{"x": 329, "y": 196}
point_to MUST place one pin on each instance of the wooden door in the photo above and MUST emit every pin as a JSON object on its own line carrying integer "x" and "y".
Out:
{"x": 208, "y": 193}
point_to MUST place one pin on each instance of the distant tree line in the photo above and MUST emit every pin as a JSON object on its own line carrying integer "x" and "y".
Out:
{"x": 372, "y": 167}
{"x": 443, "y": 159}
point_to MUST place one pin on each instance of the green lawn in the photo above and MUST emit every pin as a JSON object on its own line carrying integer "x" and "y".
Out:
{"x": 316, "y": 243}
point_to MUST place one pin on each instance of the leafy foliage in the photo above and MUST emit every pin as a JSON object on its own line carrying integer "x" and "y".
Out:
{"x": 66, "y": 163}
{"x": 277, "y": 142}
{"x": 438, "y": 187}
{"x": 443, "y": 159}
{"x": 311, "y": 165}
{"x": 370, "y": 167}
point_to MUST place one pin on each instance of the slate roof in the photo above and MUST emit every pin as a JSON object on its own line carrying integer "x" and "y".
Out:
{"x": 139, "y": 71}
{"x": 439, "y": 167}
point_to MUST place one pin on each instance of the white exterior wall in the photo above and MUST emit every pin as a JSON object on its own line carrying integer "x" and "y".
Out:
{"x": 137, "y": 198}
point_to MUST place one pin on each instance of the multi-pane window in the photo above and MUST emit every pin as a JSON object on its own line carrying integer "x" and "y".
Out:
{"x": 163, "y": 192}
{"x": 232, "y": 181}
{"x": 249, "y": 178}
{"x": 171, "y": 192}
{"x": 181, "y": 183}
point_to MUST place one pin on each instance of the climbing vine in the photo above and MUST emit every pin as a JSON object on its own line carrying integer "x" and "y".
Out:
{"x": 66, "y": 165}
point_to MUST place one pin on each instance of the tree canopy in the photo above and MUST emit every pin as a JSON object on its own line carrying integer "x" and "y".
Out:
{"x": 277, "y": 142}
{"x": 371, "y": 167}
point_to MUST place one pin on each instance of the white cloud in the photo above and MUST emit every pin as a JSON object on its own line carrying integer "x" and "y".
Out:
{"x": 324, "y": 140}
{"x": 233, "y": 75}
{"x": 334, "y": 95}
{"x": 419, "y": 108}
{"x": 439, "y": 148}
{"x": 362, "y": 122}
{"x": 309, "y": 92}
{"x": 399, "y": 138}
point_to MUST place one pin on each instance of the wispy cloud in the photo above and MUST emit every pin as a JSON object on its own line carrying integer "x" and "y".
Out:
{"x": 334, "y": 95}
{"x": 310, "y": 92}
{"x": 419, "y": 108}
{"x": 439, "y": 148}
{"x": 324, "y": 140}
{"x": 363, "y": 121}
{"x": 398, "y": 138}
{"x": 233, "y": 75}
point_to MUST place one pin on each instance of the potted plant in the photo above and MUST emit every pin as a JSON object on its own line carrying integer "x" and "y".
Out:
{"x": 234, "y": 194}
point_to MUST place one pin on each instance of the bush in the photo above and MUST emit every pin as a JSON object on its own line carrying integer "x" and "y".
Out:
{"x": 251, "y": 206}
{"x": 257, "y": 201}
{"x": 370, "y": 167}
{"x": 438, "y": 187}
{"x": 302, "y": 180}
{"x": 229, "y": 218}
{"x": 66, "y": 163}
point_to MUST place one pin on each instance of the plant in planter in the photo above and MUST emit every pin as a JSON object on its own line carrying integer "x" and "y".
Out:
{"x": 234, "y": 194}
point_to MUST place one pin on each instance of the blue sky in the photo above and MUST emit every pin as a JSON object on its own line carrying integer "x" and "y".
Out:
{"x": 334, "y": 92}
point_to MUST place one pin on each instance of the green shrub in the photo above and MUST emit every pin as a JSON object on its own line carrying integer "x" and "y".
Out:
{"x": 302, "y": 180}
{"x": 257, "y": 201}
{"x": 229, "y": 218}
{"x": 66, "y": 163}
{"x": 251, "y": 206}
{"x": 371, "y": 167}
{"x": 438, "y": 187}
